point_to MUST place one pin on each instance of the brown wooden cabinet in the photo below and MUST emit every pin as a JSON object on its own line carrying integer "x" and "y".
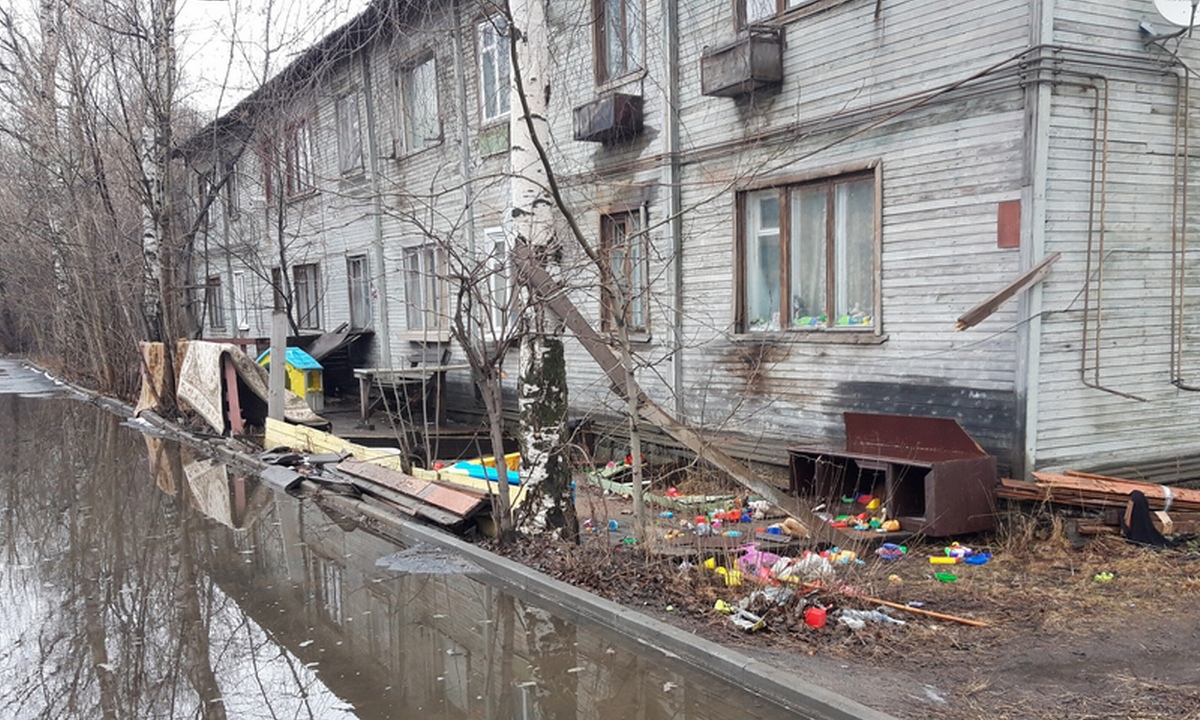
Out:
{"x": 927, "y": 472}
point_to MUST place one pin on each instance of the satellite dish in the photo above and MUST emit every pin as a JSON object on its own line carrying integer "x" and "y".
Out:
{"x": 1178, "y": 12}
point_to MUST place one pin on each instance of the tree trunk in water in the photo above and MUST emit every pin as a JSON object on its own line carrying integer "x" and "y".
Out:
{"x": 543, "y": 398}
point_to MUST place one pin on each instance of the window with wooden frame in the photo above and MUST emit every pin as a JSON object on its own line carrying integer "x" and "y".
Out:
{"x": 625, "y": 249}
{"x": 358, "y": 273}
{"x": 495, "y": 69}
{"x": 420, "y": 121}
{"x": 808, "y": 255}
{"x": 297, "y": 159}
{"x": 424, "y": 288}
{"x": 204, "y": 189}
{"x": 306, "y": 286}
{"x": 619, "y": 37}
{"x": 214, "y": 301}
{"x": 232, "y": 186}
{"x": 349, "y": 134}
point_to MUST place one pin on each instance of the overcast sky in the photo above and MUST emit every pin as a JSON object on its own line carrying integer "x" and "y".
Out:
{"x": 226, "y": 48}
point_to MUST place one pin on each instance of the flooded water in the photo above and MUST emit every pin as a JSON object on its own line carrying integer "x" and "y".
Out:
{"x": 139, "y": 581}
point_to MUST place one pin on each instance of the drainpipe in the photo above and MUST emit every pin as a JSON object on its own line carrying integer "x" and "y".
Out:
{"x": 670, "y": 11}
{"x": 1033, "y": 246}
{"x": 385, "y": 347}
{"x": 464, "y": 130}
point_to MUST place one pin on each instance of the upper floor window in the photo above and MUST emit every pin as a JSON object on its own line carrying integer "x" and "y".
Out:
{"x": 620, "y": 30}
{"x": 307, "y": 288}
{"x": 424, "y": 288}
{"x": 623, "y": 243}
{"x": 753, "y": 11}
{"x": 204, "y": 190}
{"x": 297, "y": 159}
{"x": 232, "y": 186}
{"x": 494, "y": 68}
{"x": 349, "y": 134}
{"x": 419, "y": 116}
{"x": 807, "y": 256}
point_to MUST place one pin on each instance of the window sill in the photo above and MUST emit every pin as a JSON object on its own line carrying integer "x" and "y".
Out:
{"x": 300, "y": 196}
{"x": 618, "y": 82}
{"x": 815, "y": 337}
{"x": 424, "y": 336}
{"x": 405, "y": 154}
{"x": 797, "y": 13}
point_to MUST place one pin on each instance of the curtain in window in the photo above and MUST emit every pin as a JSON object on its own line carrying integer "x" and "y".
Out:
{"x": 854, "y": 246}
{"x": 808, "y": 261}
{"x": 762, "y": 261}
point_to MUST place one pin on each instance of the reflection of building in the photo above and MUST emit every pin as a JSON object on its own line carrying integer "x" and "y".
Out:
{"x": 440, "y": 640}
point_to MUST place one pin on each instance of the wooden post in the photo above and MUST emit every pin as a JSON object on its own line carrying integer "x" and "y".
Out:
{"x": 233, "y": 401}
{"x": 278, "y": 365}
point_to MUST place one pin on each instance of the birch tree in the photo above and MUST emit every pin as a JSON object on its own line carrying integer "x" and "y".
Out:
{"x": 543, "y": 374}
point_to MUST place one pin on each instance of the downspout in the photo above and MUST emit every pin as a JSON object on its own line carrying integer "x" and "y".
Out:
{"x": 1033, "y": 220}
{"x": 385, "y": 347}
{"x": 670, "y": 9}
{"x": 464, "y": 130}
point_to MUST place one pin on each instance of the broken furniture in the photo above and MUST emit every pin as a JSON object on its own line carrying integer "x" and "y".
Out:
{"x": 419, "y": 388}
{"x": 928, "y": 472}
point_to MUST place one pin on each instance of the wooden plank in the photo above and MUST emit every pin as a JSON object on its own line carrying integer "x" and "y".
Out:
{"x": 462, "y": 503}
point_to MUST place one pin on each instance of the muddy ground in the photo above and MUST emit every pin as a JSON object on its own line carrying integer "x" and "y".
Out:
{"x": 1059, "y": 642}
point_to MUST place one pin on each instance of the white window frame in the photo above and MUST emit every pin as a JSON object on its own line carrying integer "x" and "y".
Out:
{"x": 826, "y": 280}
{"x": 501, "y": 280}
{"x": 358, "y": 277}
{"x": 495, "y": 69}
{"x": 420, "y": 115}
{"x": 424, "y": 289}
{"x": 241, "y": 301}
{"x": 349, "y": 133}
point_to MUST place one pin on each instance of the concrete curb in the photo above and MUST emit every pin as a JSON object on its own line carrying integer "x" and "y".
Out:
{"x": 774, "y": 684}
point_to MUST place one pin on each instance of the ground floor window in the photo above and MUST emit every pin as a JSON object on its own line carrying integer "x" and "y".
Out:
{"x": 360, "y": 291}
{"x": 808, "y": 255}
{"x": 214, "y": 302}
{"x": 424, "y": 288}
{"x": 624, "y": 246}
{"x": 306, "y": 285}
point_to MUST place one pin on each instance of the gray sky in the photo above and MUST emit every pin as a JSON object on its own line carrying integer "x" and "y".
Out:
{"x": 226, "y": 48}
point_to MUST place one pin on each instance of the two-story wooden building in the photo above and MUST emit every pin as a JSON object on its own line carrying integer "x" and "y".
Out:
{"x": 805, "y": 200}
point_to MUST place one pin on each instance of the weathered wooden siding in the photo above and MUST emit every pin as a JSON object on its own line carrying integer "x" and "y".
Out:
{"x": 1127, "y": 294}
{"x": 945, "y": 167}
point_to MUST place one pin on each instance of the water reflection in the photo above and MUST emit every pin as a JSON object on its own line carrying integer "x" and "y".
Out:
{"x": 141, "y": 582}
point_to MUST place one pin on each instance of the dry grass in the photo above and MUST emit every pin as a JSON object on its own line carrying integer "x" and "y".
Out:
{"x": 1060, "y": 643}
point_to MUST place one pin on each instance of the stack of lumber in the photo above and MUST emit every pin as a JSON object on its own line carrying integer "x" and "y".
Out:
{"x": 444, "y": 505}
{"x": 1097, "y": 491}
{"x": 1100, "y": 492}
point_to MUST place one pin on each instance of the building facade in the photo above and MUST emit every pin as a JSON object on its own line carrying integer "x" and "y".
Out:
{"x": 802, "y": 202}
